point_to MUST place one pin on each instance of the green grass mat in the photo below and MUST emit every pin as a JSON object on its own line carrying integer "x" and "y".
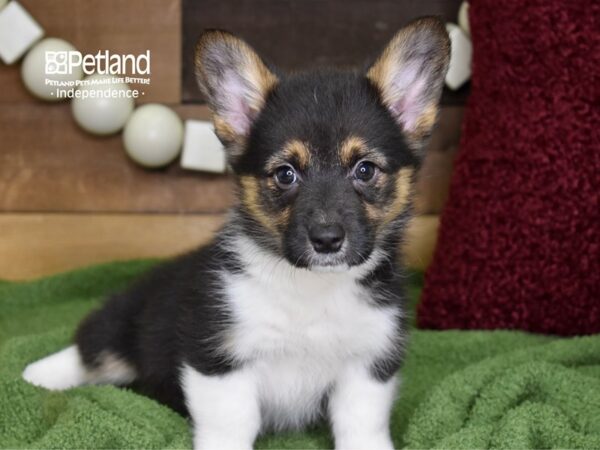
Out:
{"x": 459, "y": 388}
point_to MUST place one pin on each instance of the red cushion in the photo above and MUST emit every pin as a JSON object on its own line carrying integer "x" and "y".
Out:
{"x": 519, "y": 243}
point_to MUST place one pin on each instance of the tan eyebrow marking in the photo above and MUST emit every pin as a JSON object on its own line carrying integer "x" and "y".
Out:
{"x": 294, "y": 149}
{"x": 355, "y": 148}
{"x": 350, "y": 149}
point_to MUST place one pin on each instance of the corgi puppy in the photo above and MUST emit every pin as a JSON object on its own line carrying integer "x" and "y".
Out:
{"x": 294, "y": 312}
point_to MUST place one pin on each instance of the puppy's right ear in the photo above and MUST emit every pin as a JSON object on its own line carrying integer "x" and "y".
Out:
{"x": 235, "y": 82}
{"x": 409, "y": 75}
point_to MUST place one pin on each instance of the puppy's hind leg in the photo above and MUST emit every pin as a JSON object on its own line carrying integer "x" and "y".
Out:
{"x": 99, "y": 354}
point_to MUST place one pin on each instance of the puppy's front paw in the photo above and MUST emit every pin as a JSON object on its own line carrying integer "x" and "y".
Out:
{"x": 374, "y": 442}
{"x": 215, "y": 442}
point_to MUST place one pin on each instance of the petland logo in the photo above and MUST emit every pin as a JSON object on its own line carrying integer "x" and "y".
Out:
{"x": 103, "y": 63}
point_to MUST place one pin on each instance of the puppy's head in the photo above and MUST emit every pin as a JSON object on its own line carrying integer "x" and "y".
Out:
{"x": 325, "y": 160}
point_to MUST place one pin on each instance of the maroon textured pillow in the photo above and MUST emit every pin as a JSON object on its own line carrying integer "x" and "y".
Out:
{"x": 519, "y": 243}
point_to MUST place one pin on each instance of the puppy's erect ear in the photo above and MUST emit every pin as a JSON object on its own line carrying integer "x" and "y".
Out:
{"x": 409, "y": 75}
{"x": 234, "y": 81}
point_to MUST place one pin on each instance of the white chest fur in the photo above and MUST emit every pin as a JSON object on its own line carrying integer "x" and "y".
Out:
{"x": 298, "y": 329}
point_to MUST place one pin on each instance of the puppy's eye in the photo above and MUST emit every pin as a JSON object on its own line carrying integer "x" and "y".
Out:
{"x": 365, "y": 171}
{"x": 285, "y": 177}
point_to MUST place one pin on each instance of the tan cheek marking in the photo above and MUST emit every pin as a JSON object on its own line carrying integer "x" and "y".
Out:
{"x": 251, "y": 200}
{"x": 271, "y": 184}
{"x": 283, "y": 218}
{"x": 373, "y": 213}
{"x": 376, "y": 213}
{"x": 350, "y": 148}
{"x": 402, "y": 196}
{"x": 382, "y": 180}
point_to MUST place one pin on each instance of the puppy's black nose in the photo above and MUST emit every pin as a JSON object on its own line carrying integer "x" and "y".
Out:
{"x": 326, "y": 238}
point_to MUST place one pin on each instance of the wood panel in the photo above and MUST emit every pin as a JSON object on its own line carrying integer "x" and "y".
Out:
{"x": 297, "y": 34}
{"x": 34, "y": 245}
{"x": 131, "y": 26}
{"x": 48, "y": 164}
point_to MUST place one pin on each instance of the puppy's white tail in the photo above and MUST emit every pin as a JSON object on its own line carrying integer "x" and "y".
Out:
{"x": 62, "y": 370}
{"x": 65, "y": 369}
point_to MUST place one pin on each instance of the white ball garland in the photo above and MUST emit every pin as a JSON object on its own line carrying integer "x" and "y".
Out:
{"x": 153, "y": 135}
{"x": 33, "y": 69}
{"x": 98, "y": 112}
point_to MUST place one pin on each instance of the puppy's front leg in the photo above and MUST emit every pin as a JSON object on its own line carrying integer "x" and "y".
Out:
{"x": 224, "y": 409}
{"x": 360, "y": 408}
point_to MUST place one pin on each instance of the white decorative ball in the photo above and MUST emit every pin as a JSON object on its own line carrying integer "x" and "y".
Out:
{"x": 33, "y": 69}
{"x": 153, "y": 135}
{"x": 101, "y": 106}
{"x": 463, "y": 18}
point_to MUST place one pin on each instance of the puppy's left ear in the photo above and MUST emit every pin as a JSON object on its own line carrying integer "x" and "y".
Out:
{"x": 235, "y": 82}
{"x": 409, "y": 76}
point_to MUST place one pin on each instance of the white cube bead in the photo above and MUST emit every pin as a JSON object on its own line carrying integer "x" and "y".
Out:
{"x": 18, "y": 32}
{"x": 459, "y": 70}
{"x": 202, "y": 149}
